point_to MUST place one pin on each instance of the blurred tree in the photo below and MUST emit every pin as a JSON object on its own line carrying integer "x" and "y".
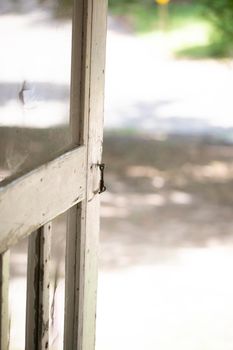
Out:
{"x": 113, "y": 3}
{"x": 63, "y": 8}
{"x": 66, "y": 2}
{"x": 220, "y": 13}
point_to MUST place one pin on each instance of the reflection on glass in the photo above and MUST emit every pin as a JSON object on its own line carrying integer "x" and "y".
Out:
{"x": 35, "y": 65}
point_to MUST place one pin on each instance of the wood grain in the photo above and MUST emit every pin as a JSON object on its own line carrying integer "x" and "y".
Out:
{"x": 37, "y": 313}
{"x": 83, "y": 222}
{"x": 39, "y": 196}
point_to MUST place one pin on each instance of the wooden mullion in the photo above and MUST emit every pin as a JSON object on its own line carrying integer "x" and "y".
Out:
{"x": 37, "y": 313}
{"x": 4, "y": 303}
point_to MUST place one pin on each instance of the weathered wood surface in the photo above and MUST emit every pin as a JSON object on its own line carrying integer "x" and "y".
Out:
{"x": 34, "y": 199}
{"x": 4, "y": 308}
{"x": 37, "y": 313}
{"x": 83, "y": 223}
{"x": 79, "y": 121}
{"x": 39, "y": 196}
{"x": 92, "y": 222}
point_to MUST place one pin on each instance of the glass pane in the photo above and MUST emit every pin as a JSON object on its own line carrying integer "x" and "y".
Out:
{"x": 57, "y": 282}
{"x": 18, "y": 287}
{"x": 35, "y": 69}
{"x": 17, "y": 294}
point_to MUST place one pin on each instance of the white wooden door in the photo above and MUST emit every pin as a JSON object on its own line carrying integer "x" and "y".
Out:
{"x": 31, "y": 197}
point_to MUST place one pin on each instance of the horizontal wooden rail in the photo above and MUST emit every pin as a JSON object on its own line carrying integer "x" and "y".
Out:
{"x": 36, "y": 198}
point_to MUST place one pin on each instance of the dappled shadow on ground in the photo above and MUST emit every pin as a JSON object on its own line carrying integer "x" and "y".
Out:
{"x": 164, "y": 116}
{"x": 164, "y": 194}
{"x": 166, "y": 247}
{"x": 173, "y": 192}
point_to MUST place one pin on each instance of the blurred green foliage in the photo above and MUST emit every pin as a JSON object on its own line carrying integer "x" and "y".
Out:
{"x": 220, "y": 13}
{"x": 143, "y": 15}
{"x": 114, "y": 3}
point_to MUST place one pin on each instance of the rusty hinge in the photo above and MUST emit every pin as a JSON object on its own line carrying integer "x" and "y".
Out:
{"x": 102, "y": 187}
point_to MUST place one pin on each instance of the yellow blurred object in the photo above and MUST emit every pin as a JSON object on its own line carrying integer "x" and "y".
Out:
{"x": 162, "y": 2}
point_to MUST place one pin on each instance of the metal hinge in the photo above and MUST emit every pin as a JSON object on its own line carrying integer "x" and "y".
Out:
{"x": 102, "y": 187}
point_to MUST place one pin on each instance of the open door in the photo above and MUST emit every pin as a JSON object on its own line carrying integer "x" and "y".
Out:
{"x": 51, "y": 165}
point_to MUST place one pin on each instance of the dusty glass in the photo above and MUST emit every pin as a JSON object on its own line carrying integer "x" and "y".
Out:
{"x": 35, "y": 70}
{"x": 57, "y": 282}
{"x": 17, "y": 295}
{"x": 18, "y": 288}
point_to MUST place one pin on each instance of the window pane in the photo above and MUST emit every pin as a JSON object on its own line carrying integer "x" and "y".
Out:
{"x": 17, "y": 294}
{"x": 57, "y": 282}
{"x": 18, "y": 288}
{"x": 35, "y": 69}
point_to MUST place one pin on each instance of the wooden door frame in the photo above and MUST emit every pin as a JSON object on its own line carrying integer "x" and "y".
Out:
{"x": 69, "y": 182}
{"x": 83, "y": 219}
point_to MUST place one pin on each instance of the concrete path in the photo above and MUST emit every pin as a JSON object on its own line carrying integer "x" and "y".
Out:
{"x": 178, "y": 304}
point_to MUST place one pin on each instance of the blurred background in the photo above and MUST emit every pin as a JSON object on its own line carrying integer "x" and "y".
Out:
{"x": 167, "y": 220}
{"x": 166, "y": 243}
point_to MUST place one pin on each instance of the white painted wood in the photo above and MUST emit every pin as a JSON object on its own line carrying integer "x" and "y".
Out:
{"x": 37, "y": 313}
{"x": 34, "y": 199}
{"x": 79, "y": 121}
{"x": 41, "y": 195}
{"x": 4, "y": 308}
{"x": 95, "y": 137}
{"x": 84, "y": 219}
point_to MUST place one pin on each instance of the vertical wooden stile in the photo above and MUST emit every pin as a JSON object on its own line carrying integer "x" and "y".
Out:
{"x": 37, "y": 313}
{"x": 91, "y": 225}
{"x": 4, "y": 307}
{"x": 83, "y": 220}
{"x": 78, "y": 119}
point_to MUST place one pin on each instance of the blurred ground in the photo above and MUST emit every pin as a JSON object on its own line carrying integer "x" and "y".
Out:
{"x": 175, "y": 192}
{"x": 166, "y": 244}
{"x": 166, "y": 238}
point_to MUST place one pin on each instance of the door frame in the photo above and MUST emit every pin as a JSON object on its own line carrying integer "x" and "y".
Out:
{"x": 70, "y": 182}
